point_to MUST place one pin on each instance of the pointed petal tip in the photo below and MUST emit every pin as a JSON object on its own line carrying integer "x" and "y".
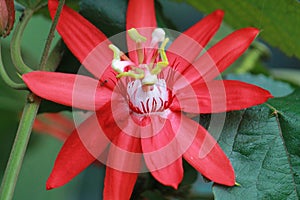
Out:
{"x": 175, "y": 186}
{"x": 268, "y": 94}
{"x": 252, "y": 31}
{"x": 174, "y": 183}
{"x": 219, "y": 13}
{"x": 49, "y": 186}
{"x": 54, "y": 182}
{"x": 228, "y": 180}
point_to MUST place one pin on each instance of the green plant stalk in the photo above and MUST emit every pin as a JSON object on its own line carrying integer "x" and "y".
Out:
{"x": 19, "y": 148}
{"x": 55, "y": 57}
{"x": 17, "y": 40}
{"x": 51, "y": 35}
{"x": 6, "y": 77}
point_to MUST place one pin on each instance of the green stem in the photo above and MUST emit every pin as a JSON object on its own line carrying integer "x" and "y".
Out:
{"x": 55, "y": 57}
{"x": 6, "y": 77}
{"x": 19, "y": 148}
{"x": 17, "y": 40}
{"x": 51, "y": 35}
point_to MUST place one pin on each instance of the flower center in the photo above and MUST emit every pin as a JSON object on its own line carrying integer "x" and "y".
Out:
{"x": 147, "y": 93}
{"x": 152, "y": 100}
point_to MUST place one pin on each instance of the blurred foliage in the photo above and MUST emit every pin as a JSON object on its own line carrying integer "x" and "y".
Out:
{"x": 290, "y": 75}
{"x": 36, "y": 169}
{"x": 278, "y": 20}
{"x": 32, "y": 3}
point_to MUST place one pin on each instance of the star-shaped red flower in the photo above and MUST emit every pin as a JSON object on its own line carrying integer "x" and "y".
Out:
{"x": 140, "y": 103}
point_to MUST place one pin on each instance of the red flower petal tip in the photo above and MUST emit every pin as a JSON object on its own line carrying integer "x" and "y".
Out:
{"x": 175, "y": 186}
{"x": 50, "y": 184}
{"x": 219, "y": 13}
{"x": 252, "y": 31}
{"x": 49, "y": 187}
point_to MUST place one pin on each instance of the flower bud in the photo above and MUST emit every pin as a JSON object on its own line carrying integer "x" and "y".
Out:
{"x": 7, "y": 17}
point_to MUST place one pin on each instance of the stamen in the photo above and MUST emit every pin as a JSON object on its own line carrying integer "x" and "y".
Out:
{"x": 164, "y": 63}
{"x": 137, "y": 73}
{"x": 118, "y": 65}
{"x": 135, "y": 36}
{"x": 158, "y": 35}
{"x": 138, "y": 39}
{"x": 116, "y": 51}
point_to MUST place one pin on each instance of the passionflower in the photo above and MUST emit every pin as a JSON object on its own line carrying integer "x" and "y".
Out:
{"x": 141, "y": 101}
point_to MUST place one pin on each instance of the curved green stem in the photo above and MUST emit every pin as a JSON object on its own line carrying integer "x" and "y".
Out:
{"x": 51, "y": 35}
{"x": 6, "y": 77}
{"x": 19, "y": 148}
{"x": 16, "y": 42}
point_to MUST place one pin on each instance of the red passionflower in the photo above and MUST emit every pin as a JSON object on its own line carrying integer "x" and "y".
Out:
{"x": 140, "y": 102}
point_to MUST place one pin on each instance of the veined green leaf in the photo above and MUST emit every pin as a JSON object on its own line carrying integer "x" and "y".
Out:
{"x": 263, "y": 145}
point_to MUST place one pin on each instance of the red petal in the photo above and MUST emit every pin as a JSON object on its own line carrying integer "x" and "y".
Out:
{"x": 118, "y": 185}
{"x": 125, "y": 153}
{"x": 214, "y": 165}
{"x": 220, "y": 96}
{"x": 224, "y": 53}
{"x": 170, "y": 175}
{"x": 82, "y": 38}
{"x": 189, "y": 44}
{"x": 68, "y": 89}
{"x": 203, "y": 151}
{"x": 140, "y": 14}
{"x": 162, "y": 155}
{"x": 75, "y": 154}
{"x": 123, "y": 165}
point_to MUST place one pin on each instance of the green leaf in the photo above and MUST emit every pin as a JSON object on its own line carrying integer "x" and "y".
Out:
{"x": 277, "y": 88}
{"x": 277, "y": 20}
{"x": 263, "y": 145}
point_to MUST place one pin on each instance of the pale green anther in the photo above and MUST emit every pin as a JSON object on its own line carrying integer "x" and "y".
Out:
{"x": 116, "y": 59}
{"x": 237, "y": 184}
{"x": 135, "y": 36}
{"x": 131, "y": 74}
{"x": 116, "y": 51}
{"x": 164, "y": 63}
